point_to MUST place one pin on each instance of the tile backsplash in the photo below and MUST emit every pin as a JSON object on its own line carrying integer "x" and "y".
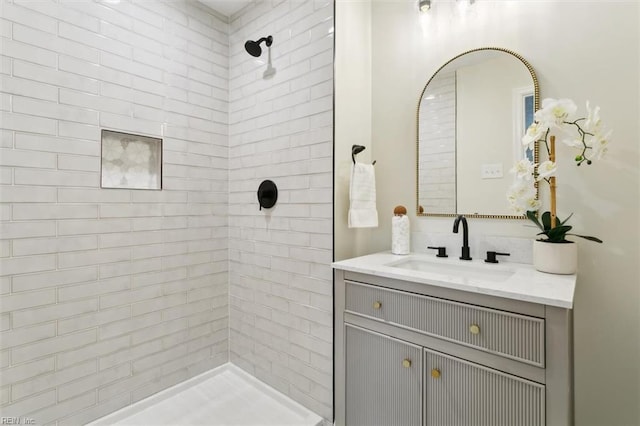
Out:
{"x": 520, "y": 249}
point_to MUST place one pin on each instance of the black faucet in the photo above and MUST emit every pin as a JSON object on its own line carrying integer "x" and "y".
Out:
{"x": 465, "y": 236}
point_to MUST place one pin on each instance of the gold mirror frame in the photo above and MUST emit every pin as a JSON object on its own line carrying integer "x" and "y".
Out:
{"x": 536, "y": 106}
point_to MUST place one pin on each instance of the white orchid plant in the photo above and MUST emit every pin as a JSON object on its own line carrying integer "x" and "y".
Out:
{"x": 587, "y": 135}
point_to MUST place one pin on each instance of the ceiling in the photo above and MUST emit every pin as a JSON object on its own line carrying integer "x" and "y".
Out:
{"x": 226, "y": 7}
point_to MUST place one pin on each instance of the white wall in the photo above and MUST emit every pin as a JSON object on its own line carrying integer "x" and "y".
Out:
{"x": 352, "y": 116}
{"x": 108, "y": 296}
{"x": 580, "y": 50}
{"x": 281, "y": 128}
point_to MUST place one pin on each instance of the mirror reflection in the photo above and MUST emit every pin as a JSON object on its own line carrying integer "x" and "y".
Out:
{"x": 472, "y": 115}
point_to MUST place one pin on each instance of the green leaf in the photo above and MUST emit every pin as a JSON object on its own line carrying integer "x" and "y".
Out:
{"x": 586, "y": 237}
{"x": 546, "y": 220}
{"x": 566, "y": 220}
{"x": 558, "y": 233}
{"x": 534, "y": 218}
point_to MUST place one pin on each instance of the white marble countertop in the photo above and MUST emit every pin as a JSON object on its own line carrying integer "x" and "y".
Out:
{"x": 515, "y": 281}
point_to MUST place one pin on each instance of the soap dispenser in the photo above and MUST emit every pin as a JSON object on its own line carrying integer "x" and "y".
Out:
{"x": 400, "y": 231}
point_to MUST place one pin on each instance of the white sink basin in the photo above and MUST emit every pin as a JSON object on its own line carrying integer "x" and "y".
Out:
{"x": 489, "y": 272}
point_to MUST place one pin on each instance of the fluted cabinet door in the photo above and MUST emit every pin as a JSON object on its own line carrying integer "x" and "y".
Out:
{"x": 383, "y": 380}
{"x": 461, "y": 393}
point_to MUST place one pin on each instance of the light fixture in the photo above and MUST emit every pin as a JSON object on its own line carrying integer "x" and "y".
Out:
{"x": 424, "y": 5}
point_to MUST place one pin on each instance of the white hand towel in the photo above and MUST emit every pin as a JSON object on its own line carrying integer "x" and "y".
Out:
{"x": 362, "y": 196}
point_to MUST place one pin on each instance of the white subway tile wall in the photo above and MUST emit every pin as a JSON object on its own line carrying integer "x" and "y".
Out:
{"x": 437, "y": 156}
{"x": 281, "y": 129}
{"x": 110, "y": 295}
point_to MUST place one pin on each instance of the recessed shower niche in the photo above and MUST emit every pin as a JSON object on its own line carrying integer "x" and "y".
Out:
{"x": 130, "y": 161}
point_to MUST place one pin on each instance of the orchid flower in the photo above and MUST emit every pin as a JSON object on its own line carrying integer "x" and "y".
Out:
{"x": 592, "y": 122}
{"x": 546, "y": 169}
{"x": 534, "y": 133}
{"x": 555, "y": 119}
{"x": 523, "y": 169}
{"x": 522, "y": 197}
{"x": 555, "y": 112}
{"x": 600, "y": 147}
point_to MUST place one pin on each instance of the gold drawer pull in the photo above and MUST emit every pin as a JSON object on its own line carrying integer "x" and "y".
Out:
{"x": 406, "y": 363}
{"x": 435, "y": 373}
{"x": 474, "y": 329}
{"x": 377, "y": 305}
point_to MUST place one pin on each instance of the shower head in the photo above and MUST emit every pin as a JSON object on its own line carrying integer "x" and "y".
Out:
{"x": 253, "y": 47}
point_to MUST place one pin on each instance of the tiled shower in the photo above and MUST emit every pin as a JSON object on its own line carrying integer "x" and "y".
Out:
{"x": 111, "y": 295}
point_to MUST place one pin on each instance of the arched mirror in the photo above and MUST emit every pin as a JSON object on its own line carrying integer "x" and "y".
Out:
{"x": 472, "y": 115}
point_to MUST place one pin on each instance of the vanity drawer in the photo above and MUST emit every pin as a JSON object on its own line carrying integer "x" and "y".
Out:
{"x": 507, "y": 334}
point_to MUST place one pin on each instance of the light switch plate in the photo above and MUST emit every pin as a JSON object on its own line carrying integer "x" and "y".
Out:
{"x": 491, "y": 171}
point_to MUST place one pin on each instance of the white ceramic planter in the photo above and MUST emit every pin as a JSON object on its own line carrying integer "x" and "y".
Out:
{"x": 555, "y": 258}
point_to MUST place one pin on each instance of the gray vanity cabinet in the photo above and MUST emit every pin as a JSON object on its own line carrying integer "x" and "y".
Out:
{"x": 384, "y": 380}
{"x": 459, "y": 392}
{"x": 410, "y": 353}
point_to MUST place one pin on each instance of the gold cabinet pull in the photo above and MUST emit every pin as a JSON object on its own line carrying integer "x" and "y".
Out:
{"x": 377, "y": 305}
{"x": 435, "y": 373}
{"x": 474, "y": 329}
{"x": 406, "y": 363}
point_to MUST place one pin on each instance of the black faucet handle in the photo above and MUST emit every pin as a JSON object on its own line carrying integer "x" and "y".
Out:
{"x": 466, "y": 253}
{"x": 491, "y": 256}
{"x": 442, "y": 251}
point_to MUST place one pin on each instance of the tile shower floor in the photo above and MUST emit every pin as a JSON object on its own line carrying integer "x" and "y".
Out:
{"x": 225, "y": 396}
